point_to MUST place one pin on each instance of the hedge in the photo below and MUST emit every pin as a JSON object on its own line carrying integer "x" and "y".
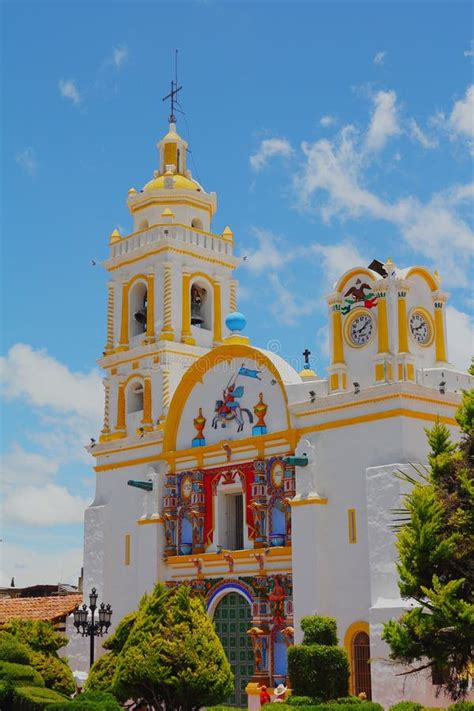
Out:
{"x": 462, "y": 706}
{"x": 302, "y": 701}
{"x": 319, "y": 630}
{"x": 317, "y": 670}
{"x": 89, "y": 701}
{"x": 34, "y": 698}
{"x": 408, "y": 706}
{"x": 20, "y": 675}
{"x": 11, "y": 650}
{"x": 55, "y": 671}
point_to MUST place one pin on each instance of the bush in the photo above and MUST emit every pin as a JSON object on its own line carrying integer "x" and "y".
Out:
{"x": 89, "y": 701}
{"x": 101, "y": 673}
{"x": 408, "y": 706}
{"x": 302, "y": 701}
{"x": 20, "y": 675}
{"x": 349, "y": 700}
{"x": 34, "y": 698}
{"x": 462, "y": 706}
{"x": 55, "y": 671}
{"x": 318, "y": 671}
{"x": 319, "y": 630}
{"x": 11, "y": 650}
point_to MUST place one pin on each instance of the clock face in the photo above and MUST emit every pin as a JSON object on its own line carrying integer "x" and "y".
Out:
{"x": 186, "y": 487}
{"x": 278, "y": 474}
{"x": 420, "y": 328}
{"x": 361, "y": 329}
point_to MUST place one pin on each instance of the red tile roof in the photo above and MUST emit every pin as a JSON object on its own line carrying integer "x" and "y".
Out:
{"x": 38, "y": 608}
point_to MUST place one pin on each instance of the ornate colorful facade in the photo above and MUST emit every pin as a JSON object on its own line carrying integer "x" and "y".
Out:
{"x": 269, "y": 490}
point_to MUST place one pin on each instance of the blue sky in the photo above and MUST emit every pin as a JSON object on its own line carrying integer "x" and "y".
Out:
{"x": 332, "y": 133}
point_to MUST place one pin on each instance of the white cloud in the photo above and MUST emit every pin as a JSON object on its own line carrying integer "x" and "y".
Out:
{"x": 46, "y": 505}
{"x": 460, "y": 327}
{"x": 384, "y": 121}
{"x": 470, "y": 52}
{"x": 69, "y": 90}
{"x": 327, "y": 121}
{"x": 120, "y": 55}
{"x": 287, "y": 305}
{"x": 270, "y": 148}
{"x": 338, "y": 258}
{"x": 27, "y": 160}
{"x": 18, "y": 465}
{"x": 37, "y": 377}
{"x": 417, "y": 134}
{"x": 271, "y": 252}
{"x": 35, "y": 567}
{"x": 379, "y": 58}
{"x": 462, "y": 115}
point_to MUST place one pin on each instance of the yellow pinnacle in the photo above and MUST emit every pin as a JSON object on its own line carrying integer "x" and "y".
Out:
{"x": 115, "y": 237}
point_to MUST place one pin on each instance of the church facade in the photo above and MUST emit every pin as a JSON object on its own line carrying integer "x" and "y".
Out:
{"x": 219, "y": 466}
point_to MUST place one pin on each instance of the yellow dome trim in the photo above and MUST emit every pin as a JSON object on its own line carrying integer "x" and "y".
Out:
{"x": 180, "y": 183}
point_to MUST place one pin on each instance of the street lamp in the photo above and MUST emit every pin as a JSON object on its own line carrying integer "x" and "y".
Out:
{"x": 92, "y": 629}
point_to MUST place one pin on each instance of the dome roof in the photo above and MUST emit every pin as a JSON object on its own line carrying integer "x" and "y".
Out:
{"x": 180, "y": 183}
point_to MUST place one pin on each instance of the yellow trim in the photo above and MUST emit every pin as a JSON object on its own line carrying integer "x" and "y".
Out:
{"x": 167, "y": 333}
{"x": 150, "y": 312}
{"x": 389, "y": 371}
{"x": 410, "y": 371}
{"x": 124, "y": 315}
{"x": 195, "y": 374}
{"x": 147, "y": 408}
{"x": 439, "y": 333}
{"x": 309, "y": 501}
{"x": 400, "y": 371}
{"x": 351, "y": 631}
{"x": 351, "y": 273}
{"x": 382, "y": 398}
{"x": 217, "y": 312}
{"x": 352, "y": 525}
{"x": 379, "y": 372}
{"x": 186, "y": 310}
{"x": 168, "y": 200}
{"x": 127, "y": 542}
{"x": 348, "y": 323}
{"x": 334, "y": 381}
{"x": 382, "y": 323}
{"x": 246, "y": 554}
{"x": 175, "y": 224}
{"x": 233, "y": 296}
{"x": 402, "y": 323}
{"x": 424, "y": 274}
{"x": 109, "y": 345}
{"x": 189, "y": 253}
{"x": 429, "y": 319}
{"x": 161, "y": 351}
{"x": 384, "y": 415}
{"x": 145, "y": 521}
{"x": 120, "y": 424}
{"x": 337, "y": 345}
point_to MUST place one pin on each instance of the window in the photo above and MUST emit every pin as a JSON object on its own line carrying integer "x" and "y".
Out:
{"x": 233, "y": 522}
{"x": 186, "y": 535}
{"x": 352, "y": 526}
{"x": 201, "y": 306}
{"x": 138, "y": 309}
{"x": 360, "y": 664}
{"x": 135, "y": 398}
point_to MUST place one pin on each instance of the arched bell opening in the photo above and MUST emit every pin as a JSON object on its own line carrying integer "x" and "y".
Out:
{"x": 138, "y": 309}
{"x": 201, "y": 305}
{"x": 134, "y": 401}
{"x": 196, "y": 223}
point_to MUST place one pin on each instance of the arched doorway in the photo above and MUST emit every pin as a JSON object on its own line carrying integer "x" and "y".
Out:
{"x": 232, "y": 619}
{"x": 360, "y": 664}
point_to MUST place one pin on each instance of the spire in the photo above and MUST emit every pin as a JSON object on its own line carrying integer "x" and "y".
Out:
{"x": 174, "y": 91}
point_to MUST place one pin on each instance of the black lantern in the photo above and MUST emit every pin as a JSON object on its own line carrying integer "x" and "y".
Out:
{"x": 91, "y": 628}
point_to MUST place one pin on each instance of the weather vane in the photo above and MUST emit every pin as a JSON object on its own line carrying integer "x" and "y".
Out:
{"x": 174, "y": 90}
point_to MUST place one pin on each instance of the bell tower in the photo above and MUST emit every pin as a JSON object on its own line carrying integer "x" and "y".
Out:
{"x": 171, "y": 286}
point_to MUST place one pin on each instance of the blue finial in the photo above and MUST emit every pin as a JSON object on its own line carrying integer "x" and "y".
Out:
{"x": 235, "y": 321}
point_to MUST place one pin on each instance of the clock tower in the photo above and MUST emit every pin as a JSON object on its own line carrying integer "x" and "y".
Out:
{"x": 385, "y": 327}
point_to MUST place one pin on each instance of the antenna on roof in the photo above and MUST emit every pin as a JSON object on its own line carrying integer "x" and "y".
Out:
{"x": 174, "y": 90}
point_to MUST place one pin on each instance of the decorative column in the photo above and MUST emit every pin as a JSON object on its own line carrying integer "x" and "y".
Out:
{"x": 109, "y": 345}
{"x": 337, "y": 370}
{"x": 259, "y": 503}
{"x": 166, "y": 390}
{"x": 150, "y": 310}
{"x": 106, "y": 427}
{"x": 121, "y": 422}
{"x": 233, "y": 295}
{"x": 170, "y": 514}
{"x": 186, "y": 336}
{"x": 147, "y": 420}
{"x": 217, "y": 313}
{"x": 405, "y": 365}
{"x": 383, "y": 364}
{"x": 439, "y": 300}
{"x": 167, "y": 333}
{"x": 260, "y": 637}
{"x": 124, "y": 318}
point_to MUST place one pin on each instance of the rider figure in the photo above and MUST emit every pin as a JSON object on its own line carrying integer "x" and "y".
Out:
{"x": 230, "y": 402}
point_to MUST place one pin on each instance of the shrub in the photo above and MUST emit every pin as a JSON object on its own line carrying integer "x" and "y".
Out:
{"x": 318, "y": 671}
{"x": 11, "y": 650}
{"x": 319, "y": 630}
{"x": 462, "y": 706}
{"x": 34, "y": 698}
{"x": 19, "y": 675}
{"x": 349, "y": 700}
{"x": 302, "y": 701}
{"x": 407, "y": 706}
{"x": 101, "y": 673}
{"x": 89, "y": 701}
{"x": 36, "y": 634}
{"x": 55, "y": 671}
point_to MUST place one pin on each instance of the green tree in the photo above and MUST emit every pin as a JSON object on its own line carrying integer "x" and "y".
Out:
{"x": 167, "y": 652}
{"x": 318, "y": 668}
{"x": 435, "y": 545}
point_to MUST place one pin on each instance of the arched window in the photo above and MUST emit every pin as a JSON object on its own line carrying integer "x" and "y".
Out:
{"x": 278, "y": 523}
{"x": 138, "y": 309}
{"x": 280, "y": 658}
{"x": 197, "y": 223}
{"x": 135, "y": 397}
{"x": 186, "y": 535}
{"x": 360, "y": 664}
{"x": 143, "y": 225}
{"x": 201, "y": 305}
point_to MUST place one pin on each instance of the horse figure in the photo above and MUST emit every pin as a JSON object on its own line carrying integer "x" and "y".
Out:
{"x": 225, "y": 414}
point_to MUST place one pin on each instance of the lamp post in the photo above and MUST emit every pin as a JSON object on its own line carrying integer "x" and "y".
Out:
{"x": 91, "y": 628}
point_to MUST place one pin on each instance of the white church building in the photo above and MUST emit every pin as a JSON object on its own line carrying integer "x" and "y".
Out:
{"x": 269, "y": 491}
